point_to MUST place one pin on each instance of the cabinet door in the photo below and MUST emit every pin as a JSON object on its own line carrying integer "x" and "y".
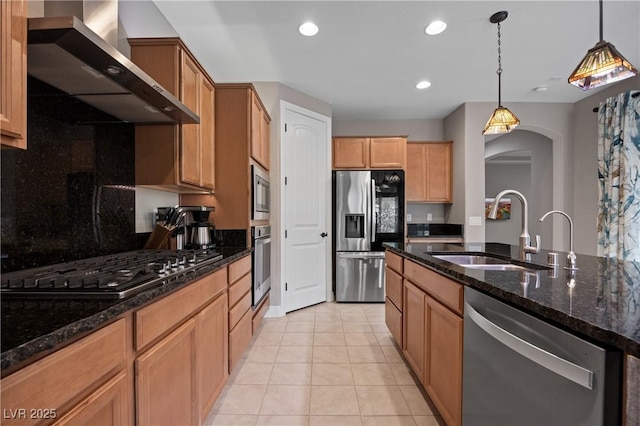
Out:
{"x": 413, "y": 328}
{"x": 265, "y": 140}
{"x": 207, "y": 134}
{"x": 416, "y": 182}
{"x": 443, "y": 375}
{"x": 166, "y": 380}
{"x": 257, "y": 123}
{"x": 108, "y": 406}
{"x": 212, "y": 352}
{"x": 190, "y": 143}
{"x": 387, "y": 153}
{"x": 13, "y": 73}
{"x": 439, "y": 175}
{"x": 350, "y": 153}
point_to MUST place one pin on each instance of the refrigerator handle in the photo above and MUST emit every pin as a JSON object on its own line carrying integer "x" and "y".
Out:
{"x": 374, "y": 219}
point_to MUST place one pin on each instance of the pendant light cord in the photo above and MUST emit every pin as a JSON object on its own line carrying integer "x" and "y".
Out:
{"x": 499, "y": 71}
{"x": 601, "y": 25}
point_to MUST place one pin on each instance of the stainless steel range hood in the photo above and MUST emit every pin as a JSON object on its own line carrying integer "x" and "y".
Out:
{"x": 67, "y": 54}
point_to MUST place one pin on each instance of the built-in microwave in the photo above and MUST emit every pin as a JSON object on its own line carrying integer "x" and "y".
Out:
{"x": 260, "y": 200}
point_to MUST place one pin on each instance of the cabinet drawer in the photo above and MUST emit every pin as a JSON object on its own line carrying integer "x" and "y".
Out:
{"x": 239, "y": 268}
{"x": 160, "y": 317}
{"x": 241, "y": 308}
{"x": 257, "y": 316}
{"x": 446, "y": 291}
{"x": 393, "y": 319}
{"x": 237, "y": 290}
{"x": 393, "y": 286}
{"x": 394, "y": 261}
{"x": 66, "y": 375}
{"x": 239, "y": 338}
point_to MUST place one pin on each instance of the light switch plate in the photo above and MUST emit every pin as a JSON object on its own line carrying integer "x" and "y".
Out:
{"x": 408, "y": 217}
{"x": 475, "y": 221}
{"x": 429, "y": 217}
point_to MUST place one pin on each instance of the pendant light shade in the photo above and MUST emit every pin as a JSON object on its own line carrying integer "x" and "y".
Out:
{"x": 502, "y": 120}
{"x": 602, "y": 64}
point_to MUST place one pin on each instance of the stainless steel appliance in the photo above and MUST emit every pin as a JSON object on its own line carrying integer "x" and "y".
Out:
{"x": 519, "y": 370}
{"x": 261, "y": 242}
{"x": 200, "y": 233}
{"x": 368, "y": 210}
{"x": 111, "y": 277}
{"x": 260, "y": 196}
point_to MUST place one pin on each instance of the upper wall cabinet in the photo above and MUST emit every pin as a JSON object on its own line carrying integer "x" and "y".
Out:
{"x": 13, "y": 73}
{"x": 369, "y": 152}
{"x": 179, "y": 158}
{"x": 260, "y": 124}
{"x": 429, "y": 172}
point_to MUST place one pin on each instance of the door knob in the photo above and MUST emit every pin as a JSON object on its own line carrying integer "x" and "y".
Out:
{"x": 324, "y": 234}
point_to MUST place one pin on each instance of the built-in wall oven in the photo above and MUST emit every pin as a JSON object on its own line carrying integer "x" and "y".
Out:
{"x": 261, "y": 242}
{"x": 260, "y": 204}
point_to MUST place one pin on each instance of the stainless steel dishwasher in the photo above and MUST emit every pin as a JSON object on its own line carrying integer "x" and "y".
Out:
{"x": 519, "y": 370}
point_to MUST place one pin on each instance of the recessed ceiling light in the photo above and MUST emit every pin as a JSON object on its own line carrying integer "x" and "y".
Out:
{"x": 423, "y": 84}
{"x": 436, "y": 27}
{"x": 308, "y": 29}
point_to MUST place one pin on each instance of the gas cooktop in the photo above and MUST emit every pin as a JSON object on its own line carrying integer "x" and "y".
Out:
{"x": 114, "y": 276}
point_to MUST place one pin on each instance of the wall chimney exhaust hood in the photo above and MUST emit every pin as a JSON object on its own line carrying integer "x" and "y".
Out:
{"x": 67, "y": 54}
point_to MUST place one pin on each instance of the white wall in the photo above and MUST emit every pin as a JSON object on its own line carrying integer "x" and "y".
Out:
{"x": 415, "y": 130}
{"x": 585, "y": 174}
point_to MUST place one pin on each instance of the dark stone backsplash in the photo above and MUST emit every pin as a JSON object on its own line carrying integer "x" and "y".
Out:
{"x": 70, "y": 195}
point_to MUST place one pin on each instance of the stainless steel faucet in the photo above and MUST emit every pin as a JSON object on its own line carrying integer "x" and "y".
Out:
{"x": 571, "y": 256}
{"x": 526, "y": 249}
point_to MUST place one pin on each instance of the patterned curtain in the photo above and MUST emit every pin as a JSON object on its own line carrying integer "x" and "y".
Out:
{"x": 619, "y": 177}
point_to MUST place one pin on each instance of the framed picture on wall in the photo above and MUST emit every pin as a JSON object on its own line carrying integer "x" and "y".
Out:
{"x": 504, "y": 208}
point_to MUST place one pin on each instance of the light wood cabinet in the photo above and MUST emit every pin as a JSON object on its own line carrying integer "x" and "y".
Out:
{"x": 13, "y": 73}
{"x": 432, "y": 336}
{"x": 369, "y": 152}
{"x": 178, "y": 158}
{"x": 260, "y": 123}
{"x": 240, "y": 312}
{"x": 74, "y": 390}
{"x": 429, "y": 172}
{"x": 394, "y": 295}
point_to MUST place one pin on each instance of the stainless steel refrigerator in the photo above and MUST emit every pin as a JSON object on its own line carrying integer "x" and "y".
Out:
{"x": 368, "y": 210}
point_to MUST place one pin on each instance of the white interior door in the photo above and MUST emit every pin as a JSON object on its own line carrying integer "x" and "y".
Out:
{"x": 307, "y": 186}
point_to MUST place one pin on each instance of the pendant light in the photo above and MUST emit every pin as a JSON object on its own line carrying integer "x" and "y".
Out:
{"x": 602, "y": 64}
{"x": 502, "y": 120}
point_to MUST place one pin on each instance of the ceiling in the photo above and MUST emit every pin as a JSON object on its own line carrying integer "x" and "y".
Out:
{"x": 369, "y": 55}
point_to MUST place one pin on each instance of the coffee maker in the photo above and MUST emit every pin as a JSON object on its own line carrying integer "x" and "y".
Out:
{"x": 199, "y": 232}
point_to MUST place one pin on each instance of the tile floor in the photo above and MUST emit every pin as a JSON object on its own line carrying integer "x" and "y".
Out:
{"x": 328, "y": 364}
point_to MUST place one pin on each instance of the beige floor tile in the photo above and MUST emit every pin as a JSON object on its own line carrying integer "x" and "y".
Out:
{"x": 388, "y": 421}
{"x": 262, "y": 353}
{"x": 416, "y": 401}
{"x": 268, "y": 339}
{"x": 372, "y": 374}
{"x": 285, "y": 400}
{"x": 353, "y": 316}
{"x": 328, "y": 339}
{"x": 379, "y": 326}
{"x": 283, "y": 420}
{"x": 327, "y": 307}
{"x": 375, "y": 316}
{"x": 365, "y": 354}
{"x": 230, "y": 420}
{"x": 300, "y": 327}
{"x": 328, "y": 316}
{"x": 331, "y": 374}
{"x": 328, "y": 327}
{"x": 302, "y": 315}
{"x": 429, "y": 421}
{"x": 335, "y": 421}
{"x": 385, "y": 339}
{"x": 360, "y": 339}
{"x": 242, "y": 399}
{"x": 357, "y": 326}
{"x": 392, "y": 353}
{"x": 252, "y": 373}
{"x": 299, "y": 354}
{"x": 381, "y": 401}
{"x": 334, "y": 400}
{"x": 290, "y": 374}
{"x": 297, "y": 339}
{"x": 330, "y": 354}
{"x": 402, "y": 373}
{"x": 274, "y": 327}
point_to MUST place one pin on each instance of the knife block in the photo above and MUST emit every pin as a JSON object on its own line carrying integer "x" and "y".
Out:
{"x": 158, "y": 238}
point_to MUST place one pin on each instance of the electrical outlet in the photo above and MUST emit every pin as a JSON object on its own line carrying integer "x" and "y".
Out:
{"x": 409, "y": 217}
{"x": 429, "y": 217}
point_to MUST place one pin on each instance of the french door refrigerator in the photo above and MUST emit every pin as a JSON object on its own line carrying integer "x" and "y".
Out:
{"x": 368, "y": 211}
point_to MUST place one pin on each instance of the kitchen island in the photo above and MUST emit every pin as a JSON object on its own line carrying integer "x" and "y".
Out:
{"x": 599, "y": 303}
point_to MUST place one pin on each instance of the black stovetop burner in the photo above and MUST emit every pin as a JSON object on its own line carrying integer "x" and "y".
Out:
{"x": 114, "y": 276}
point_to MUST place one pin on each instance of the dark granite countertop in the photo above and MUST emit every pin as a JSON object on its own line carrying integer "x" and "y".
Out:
{"x": 602, "y": 304}
{"x": 34, "y": 327}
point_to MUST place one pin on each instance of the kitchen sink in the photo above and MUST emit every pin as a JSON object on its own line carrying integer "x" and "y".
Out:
{"x": 480, "y": 261}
